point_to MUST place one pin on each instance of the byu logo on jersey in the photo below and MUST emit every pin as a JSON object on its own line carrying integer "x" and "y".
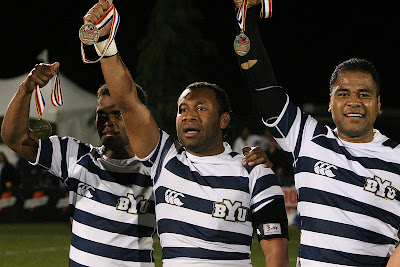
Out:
{"x": 324, "y": 168}
{"x": 173, "y": 197}
{"x": 380, "y": 188}
{"x": 84, "y": 190}
{"x": 132, "y": 204}
{"x": 230, "y": 212}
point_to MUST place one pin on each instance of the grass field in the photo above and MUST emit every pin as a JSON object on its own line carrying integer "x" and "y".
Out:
{"x": 33, "y": 245}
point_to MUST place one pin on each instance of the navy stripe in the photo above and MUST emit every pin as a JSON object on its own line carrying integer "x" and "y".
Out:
{"x": 297, "y": 148}
{"x": 168, "y": 143}
{"x": 228, "y": 182}
{"x": 209, "y": 235}
{"x": 306, "y": 164}
{"x": 104, "y": 197}
{"x": 265, "y": 182}
{"x": 340, "y": 257}
{"x": 348, "y": 204}
{"x": 75, "y": 264}
{"x": 83, "y": 149}
{"x": 189, "y": 202}
{"x": 320, "y": 129}
{"x": 344, "y": 230}
{"x": 286, "y": 121}
{"x": 120, "y": 178}
{"x": 201, "y": 253}
{"x": 63, "y": 148}
{"x": 46, "y": 153}
{"x": 149, "y": 163}
{"x": 266, "y": 200}
{"x": 112, "y": 226}
{"x": 390, "y": 143}
{"x": 368, "y": 163}
{"x": 111, "y": 252}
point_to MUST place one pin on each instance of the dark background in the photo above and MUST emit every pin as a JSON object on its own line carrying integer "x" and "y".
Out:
{"x": 305, "y": 40}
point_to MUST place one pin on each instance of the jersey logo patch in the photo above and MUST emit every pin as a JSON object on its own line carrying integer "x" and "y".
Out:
{"x": 324, "y": 168}
{"x": 173, "y": 197}
{"x": 380, "y": 188}
{"x": 132, "y": 204}
{"x": 84, "y": 190}
{"x": 233, "y": 212}
{"x": 271, "y": 229}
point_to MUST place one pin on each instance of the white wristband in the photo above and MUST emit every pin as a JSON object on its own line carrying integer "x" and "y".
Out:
{"x": 111, "y": 51}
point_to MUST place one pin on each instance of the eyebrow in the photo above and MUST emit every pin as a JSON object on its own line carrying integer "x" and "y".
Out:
{"x": 358, "y": 90}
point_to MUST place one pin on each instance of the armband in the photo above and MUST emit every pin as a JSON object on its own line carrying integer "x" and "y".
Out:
{"x": 111, "y": 51}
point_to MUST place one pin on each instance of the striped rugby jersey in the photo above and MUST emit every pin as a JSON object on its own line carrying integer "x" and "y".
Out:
{"x": 204, "y": 205}
{"x": 113, "y": 217}
{"x": 348, "y": 192}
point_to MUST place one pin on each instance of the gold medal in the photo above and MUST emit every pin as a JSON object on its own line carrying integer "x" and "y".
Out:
{"x": 89, "y": 34}
{"x": 241, "y": 44}
{"x": 42, "y": 129}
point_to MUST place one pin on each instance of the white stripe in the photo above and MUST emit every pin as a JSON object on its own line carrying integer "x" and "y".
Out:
{"x": 325, "y": 184}
{"x": 87, "y": 259}
{"x": 177, "y": 240}
{"x": 112, "y": 239}
{"x": 343, "y": 244}
{"x": 311, "y": 263}
{"x": 111, "y": 213}
{"x": 167, "y": 211}
{"x": 333, "y": 214}
{"x": 185, "y": 262}
{"x": 271, "y": 191}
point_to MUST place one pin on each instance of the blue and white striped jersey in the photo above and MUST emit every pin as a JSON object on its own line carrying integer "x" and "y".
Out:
{"x": 204, "y": 205}
{"x": 348, "y": 192}
{"x": 113, "y": 217}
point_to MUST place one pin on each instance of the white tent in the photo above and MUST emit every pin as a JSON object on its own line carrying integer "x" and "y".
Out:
{"x": 74, "y": 118}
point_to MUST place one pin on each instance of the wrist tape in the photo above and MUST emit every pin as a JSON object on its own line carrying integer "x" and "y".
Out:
{"x": 111, "y": 51}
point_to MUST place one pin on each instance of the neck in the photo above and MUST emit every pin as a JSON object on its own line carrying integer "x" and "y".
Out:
{"x": 364, "y": 138}
{"x": 125, "y": 153}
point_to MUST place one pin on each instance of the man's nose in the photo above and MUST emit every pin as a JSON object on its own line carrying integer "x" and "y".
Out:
{"x": 353, "y": 100}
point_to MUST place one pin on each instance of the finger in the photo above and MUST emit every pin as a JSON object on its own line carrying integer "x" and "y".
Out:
{"x": 268, "y": 164}
{"x": 245, "y": 150}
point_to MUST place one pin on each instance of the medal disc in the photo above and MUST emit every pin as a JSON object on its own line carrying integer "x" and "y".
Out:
{"x": 241, "y": 44}
{"x": 42, "y": 129}
{"x": 89, "y": 34}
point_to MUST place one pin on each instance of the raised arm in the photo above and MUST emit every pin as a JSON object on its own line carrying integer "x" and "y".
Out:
{"x": 141, "y": 126}
{"x": 15, "y": 130}
{"x": 256, "y": 68}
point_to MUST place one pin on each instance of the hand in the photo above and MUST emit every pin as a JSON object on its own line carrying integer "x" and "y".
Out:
{"x": 39, "y": 75}
{"x": 254, "y": 156}
{"x": 251, "y": 3}
{"x": 96, "y": 13}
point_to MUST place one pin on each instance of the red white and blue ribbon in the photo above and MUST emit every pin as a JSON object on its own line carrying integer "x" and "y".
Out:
{"x": 111, "y": 15}
{"x": 266, "y": 9}
{"x": 241, "y": 15}
{"x": 56, "y": 96}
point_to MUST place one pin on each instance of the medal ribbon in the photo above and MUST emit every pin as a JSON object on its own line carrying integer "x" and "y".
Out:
{"x": 113, "y": 15}
{"x": 266, "y": 9}
{"x": 241, "y": 15}
{"x": 56, "y": 96}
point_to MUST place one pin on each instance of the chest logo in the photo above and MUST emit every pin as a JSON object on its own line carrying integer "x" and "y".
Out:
{"x": 229, "y": 211}
{"x": 132, "y": 204}
{"x": 380, "y": 187}
{"x": 324, "y": 168}
{"x": 174, "y": 198}
{"x": 85, "y": 190}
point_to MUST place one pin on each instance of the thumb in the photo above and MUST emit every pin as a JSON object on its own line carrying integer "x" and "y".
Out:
{"x": 109, "y": 3}
{"x": 55, "y": 66}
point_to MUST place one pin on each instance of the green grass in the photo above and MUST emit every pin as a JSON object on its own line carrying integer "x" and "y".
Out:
{"x": 47, "y": 244}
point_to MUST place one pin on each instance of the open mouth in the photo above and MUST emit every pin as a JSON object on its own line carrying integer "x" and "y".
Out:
{"x": 354, "y": 115}
{"x": 109, "y": 134}
{"x": 190, "y": 131}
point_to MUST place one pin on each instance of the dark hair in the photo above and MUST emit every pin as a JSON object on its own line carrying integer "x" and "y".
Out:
{"x": 356, "y": 65}
{"x": 220, "y": 94}
{"x": 103, "y": 90}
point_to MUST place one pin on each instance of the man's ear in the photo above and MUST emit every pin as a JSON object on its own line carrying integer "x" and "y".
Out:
{"x": 224, "y": 120}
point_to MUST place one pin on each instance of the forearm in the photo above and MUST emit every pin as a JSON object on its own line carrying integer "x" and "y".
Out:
{"x": 15, "y": 130}
{"x": 276, "y": 252}
{"x": 119, "y": 81}
{"x": 257, "y": 71}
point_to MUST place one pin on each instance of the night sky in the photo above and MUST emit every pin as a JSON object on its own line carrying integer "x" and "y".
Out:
{"x": 305, "y": 41}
